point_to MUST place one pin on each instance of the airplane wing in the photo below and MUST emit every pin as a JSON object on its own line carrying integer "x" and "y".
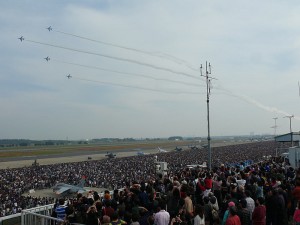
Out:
{"x": 81, "y": 191}
{"x": 62, "y": 190}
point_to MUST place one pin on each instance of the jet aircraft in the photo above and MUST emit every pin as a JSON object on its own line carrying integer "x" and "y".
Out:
{"x": 178, "y": 149}
{"x": 49, "y": 28}
{"x": 110, "y": 155}
{"x": 69, "y": 76}
{"x": 142, "y": 153}
{"x": 21, "y": 38}
{"x": 193, "y": 147}
{"x": 161, "y": 150}
{"x": 47, "y": 58}
{"x": 65, "y": 189}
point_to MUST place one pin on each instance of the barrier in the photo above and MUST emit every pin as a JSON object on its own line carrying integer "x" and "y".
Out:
{"x": 40, "y": 215}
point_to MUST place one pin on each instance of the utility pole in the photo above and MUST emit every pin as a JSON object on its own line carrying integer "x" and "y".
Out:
{"x": 290, "y": 117}
{"x": 275, "y": 127}
{"x": 208, "y": 83}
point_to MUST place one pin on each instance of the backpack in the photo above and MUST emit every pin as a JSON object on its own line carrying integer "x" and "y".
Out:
{"x": 215, "y": 214}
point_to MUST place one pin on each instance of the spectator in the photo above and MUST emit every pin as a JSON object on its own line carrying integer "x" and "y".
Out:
{"x": 259, "y": 213}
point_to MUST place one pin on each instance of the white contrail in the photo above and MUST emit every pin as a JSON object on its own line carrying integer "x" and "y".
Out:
{"x": 155, "y": 54}
{"x": 118, "y": 58}
{"x": 257, "y": 104}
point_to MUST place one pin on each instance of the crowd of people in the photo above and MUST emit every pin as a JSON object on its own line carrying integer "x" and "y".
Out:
{"x": 186, "y": 195}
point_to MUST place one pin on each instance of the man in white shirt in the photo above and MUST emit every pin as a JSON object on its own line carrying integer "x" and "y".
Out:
{"x": 250, "y": 202}
{"x": 162, "y": 217}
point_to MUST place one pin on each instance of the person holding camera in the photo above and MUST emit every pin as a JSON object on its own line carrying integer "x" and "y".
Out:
{"x": 92, "y": 216}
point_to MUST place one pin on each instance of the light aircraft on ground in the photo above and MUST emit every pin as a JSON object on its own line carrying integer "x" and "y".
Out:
{"x": 161, "y": 150}
{"x": 110, "y": 155}
{"x": 21, "y": 38}
{"x": 69, "y": 76}
{"x": 142, "y": 153}
{"x": 193, "y": 147}
{"x": 49, "y": 28}
{"x": 47, "y": 58}
{"x": 63, "y": 188}
{"x": 178, "y": 149}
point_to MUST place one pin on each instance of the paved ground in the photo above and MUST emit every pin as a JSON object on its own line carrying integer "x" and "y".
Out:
{"x": 51, "y": 194}
{"x": 47, "y": 161}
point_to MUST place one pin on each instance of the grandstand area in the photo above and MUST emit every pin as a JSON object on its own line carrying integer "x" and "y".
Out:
{"x": 129, "y": 170}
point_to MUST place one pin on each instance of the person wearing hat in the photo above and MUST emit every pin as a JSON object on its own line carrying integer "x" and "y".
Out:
{"x": 233, "y": 218}
{"x": 226, "y": 214}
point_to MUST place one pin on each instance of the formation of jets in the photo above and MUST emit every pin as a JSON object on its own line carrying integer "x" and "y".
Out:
{"x": 69, "y": 76}
{"x": 49, "y": 28}
{"x": 65, "y": 189}
{"x": 21, "y": 38}
{"x": 110, "y": 155}
{"x": 47, "y": 58}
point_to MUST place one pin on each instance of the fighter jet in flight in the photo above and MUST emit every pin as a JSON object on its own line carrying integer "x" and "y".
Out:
{"x": 47, "y": 58}
{"x": 49, "y": 28}
{"x": 21, "y": 38}
{"x": 69, "y": 76}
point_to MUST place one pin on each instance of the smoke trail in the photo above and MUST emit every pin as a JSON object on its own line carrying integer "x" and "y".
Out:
{"x": 155, "y": 54}
{"x": 136, "y": 87}
{"x": 117, "y": 58}
{"x": 257, "y": 104}
{"x": 130, "y": 74}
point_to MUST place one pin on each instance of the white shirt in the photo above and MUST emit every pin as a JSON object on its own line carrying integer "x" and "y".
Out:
{"x": 162, "y": 218}
{"x": 199, "y": 221}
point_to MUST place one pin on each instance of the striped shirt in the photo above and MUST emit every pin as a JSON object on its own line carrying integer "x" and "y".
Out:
{"x": 60, "y": 212}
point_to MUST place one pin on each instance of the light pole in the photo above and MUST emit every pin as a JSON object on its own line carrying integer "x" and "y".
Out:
{"x": 290, "y": 117}
{"x": 275, "y": 118}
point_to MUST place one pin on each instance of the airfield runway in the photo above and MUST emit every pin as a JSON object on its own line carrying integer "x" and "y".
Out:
{"x": 79, "y": 156}
{"x": 18, "y": 162}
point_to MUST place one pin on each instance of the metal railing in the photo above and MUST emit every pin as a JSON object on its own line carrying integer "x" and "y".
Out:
{"x": 26, "y": 216}
{"x": 38, "y": 216}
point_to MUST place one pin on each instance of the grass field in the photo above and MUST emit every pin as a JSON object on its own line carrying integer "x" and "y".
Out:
{"x": 94, "y": 148}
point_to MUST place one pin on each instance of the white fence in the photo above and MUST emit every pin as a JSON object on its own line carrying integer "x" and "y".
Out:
{"x": 29, "y": 216}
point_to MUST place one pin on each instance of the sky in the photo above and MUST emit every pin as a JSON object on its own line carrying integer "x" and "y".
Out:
{"x": 135, "y": 68}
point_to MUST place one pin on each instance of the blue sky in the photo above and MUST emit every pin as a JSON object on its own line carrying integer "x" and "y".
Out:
{"x": 135, "y": 68}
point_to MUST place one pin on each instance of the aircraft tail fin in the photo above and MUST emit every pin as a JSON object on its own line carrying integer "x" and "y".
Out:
{"x": 82, "y": 182}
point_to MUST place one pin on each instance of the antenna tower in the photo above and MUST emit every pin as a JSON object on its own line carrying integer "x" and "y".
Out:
{"x": 208, "y": 85}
